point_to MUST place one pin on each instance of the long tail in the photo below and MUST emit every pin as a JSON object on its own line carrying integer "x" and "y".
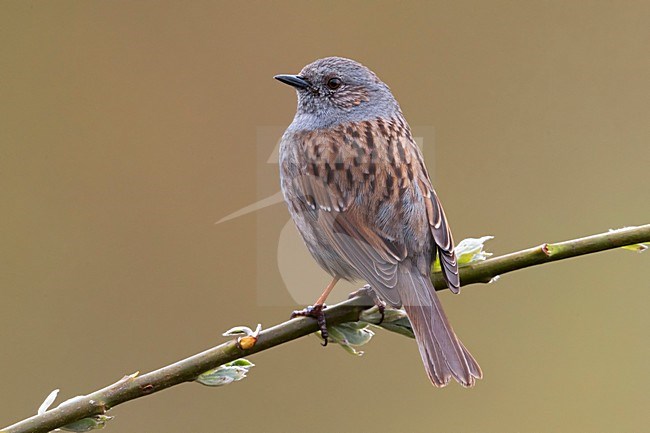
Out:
{"x": 442, "y": 352}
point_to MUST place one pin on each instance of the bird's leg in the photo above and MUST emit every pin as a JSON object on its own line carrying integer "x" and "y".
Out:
{"x": 370, "y": 293}
{"x": 316, "y": 310}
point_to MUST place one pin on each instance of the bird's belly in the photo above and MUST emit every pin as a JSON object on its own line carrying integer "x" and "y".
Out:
{"x": 320, "y": 247}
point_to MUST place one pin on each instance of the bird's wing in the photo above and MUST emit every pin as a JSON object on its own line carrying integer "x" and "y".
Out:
{"x": 330, "y": 186}
{"x": 407, "y": 162}
{"x": 440, "y": 229}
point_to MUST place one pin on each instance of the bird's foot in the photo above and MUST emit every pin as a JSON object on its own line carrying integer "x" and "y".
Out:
{"x": 316, "y": 312}
{"x": 370, "y": 293}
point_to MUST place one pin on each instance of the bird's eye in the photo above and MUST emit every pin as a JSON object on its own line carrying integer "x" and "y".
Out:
{"x": 334, "y": 83}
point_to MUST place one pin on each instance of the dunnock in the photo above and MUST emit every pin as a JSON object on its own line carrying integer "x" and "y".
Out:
{"x": 358, "y": 190}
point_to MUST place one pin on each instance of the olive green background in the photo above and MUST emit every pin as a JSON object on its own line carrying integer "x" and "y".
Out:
{"x": 128, "y": 128}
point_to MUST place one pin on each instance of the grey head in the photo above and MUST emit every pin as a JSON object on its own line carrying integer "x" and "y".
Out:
{"x": 336, "y": 90}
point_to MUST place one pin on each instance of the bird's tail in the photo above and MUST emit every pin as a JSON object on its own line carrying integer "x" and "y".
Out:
{"x": 442, "y": 352}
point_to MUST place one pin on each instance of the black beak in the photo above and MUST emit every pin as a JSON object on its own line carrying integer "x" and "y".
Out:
{"x": 293, "y": 80}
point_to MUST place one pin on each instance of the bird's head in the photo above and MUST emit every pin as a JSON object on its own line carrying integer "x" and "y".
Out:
{"x": 334, "y": 90}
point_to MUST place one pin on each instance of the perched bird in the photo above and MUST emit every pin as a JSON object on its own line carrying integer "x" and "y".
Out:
{"x": 359, "y": 193}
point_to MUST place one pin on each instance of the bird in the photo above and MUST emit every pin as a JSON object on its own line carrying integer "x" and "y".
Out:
{"x": 357, "y": 188}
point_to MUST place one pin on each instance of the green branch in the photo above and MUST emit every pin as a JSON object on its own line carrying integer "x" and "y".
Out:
{"x": 483, "y": 272}
{"x": 187, "y": 370}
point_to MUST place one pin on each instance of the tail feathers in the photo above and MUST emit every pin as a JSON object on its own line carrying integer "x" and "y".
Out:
{"x": 474, "y": 368}
{"x": 443, "y": 354}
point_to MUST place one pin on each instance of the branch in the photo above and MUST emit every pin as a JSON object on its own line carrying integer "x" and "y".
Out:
{"x": 483, "y": 272}
{"x": 134, "y": 386}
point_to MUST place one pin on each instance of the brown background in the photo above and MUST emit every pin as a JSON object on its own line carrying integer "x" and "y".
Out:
{"x": 128, "y": 128}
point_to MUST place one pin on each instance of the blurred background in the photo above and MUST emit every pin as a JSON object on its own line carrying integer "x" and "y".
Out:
{"x": 127, "y": 129}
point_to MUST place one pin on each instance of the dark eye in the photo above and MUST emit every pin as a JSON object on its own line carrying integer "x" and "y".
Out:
{"x": 334, "y": 83}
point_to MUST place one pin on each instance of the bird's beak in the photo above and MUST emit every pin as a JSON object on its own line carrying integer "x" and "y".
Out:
{"x": 293, "y": 80}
